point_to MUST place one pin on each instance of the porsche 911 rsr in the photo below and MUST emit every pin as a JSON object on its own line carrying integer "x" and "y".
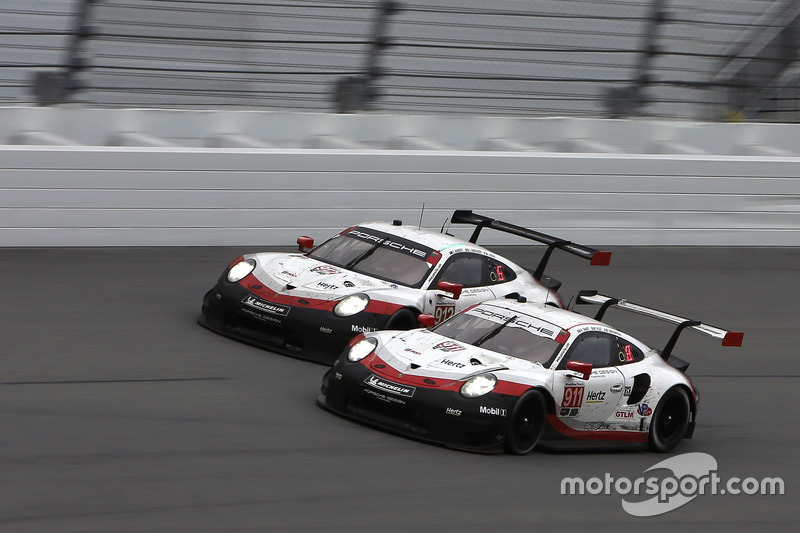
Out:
{"x": 369, "y": 277}
{"x": 511, "y": 375}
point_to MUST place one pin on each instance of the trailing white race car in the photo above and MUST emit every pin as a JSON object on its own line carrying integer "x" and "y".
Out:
{"x": 511, "y": 375}
{"x": 369, "y": 277}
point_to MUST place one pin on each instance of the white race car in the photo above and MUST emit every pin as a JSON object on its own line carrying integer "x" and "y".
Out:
{"x": 511, "y": 375}
{"x": 369, "y": 277}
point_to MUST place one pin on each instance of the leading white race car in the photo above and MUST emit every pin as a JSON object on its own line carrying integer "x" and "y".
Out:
{"x": 369, "y": 277}
{"x": 510, "y": 374}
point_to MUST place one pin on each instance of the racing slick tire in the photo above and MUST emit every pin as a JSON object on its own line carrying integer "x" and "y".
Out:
{"x": 403, "y": 319}
{"x": 670, "y": 420}
{"x": 526, "y": 423}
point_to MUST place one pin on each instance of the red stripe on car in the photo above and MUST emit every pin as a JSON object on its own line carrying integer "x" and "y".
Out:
{"x": 384, "y": 369}
{"x": 252, "y": 284}
{"x": 510, "y": 388}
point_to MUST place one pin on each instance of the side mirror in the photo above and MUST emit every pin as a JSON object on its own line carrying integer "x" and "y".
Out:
{"x": 453, "y": 288}
{"x": 426, "y": 321}
{"x": 305, "y": 243}
{"x": 580, "y": 368}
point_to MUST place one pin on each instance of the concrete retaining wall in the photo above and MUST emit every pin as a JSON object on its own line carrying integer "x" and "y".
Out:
{"x": 150, "y": 196}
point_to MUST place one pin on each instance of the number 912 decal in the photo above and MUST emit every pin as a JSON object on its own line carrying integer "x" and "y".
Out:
{"x": 443, "y": 312}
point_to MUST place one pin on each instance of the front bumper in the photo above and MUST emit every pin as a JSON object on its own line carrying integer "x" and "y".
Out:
{"x": 431, "y": 414}
{"x": 305, "y": 332}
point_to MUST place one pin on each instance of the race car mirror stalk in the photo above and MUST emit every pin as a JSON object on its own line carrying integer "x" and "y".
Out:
{"x": 305, "y": 243}
{"x": 451, "y": 288}
{"x": 426, "y": 321}
{"x": 583, "y": 369}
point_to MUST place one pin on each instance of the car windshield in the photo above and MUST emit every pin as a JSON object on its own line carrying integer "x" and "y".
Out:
{"x": 499, "y": 330}
{"x": 377, "y": 254}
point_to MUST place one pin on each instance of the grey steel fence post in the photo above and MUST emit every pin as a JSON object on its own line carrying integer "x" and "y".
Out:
{"x": 355, "y": 93}
{"x": 56, "y": 87}
{"x": 629, "y": 100}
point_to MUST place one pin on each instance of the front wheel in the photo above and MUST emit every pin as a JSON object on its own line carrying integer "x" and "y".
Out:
{"x": 403, "y": 319}
{"x": 670, "y": 420}
{"x": 526, "y": 423}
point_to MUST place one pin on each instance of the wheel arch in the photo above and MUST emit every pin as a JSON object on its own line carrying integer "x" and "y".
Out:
{"x": 689, "y": 393}
{"x": 550, "y": 401}
{"x": 692, "y": 409}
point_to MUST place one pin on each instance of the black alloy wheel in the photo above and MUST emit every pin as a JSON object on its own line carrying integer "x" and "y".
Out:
{"x": 526, "y": 423}
{"x": 670, "y": 420}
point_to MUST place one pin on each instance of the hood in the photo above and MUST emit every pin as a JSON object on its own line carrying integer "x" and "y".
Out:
{"x": 422, "y": 351}
{"x": 282, "y": 272}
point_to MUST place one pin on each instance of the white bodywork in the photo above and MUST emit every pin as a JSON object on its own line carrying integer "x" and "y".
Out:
{"x": 597, "y": 404}
{"x": 313, "y": 279}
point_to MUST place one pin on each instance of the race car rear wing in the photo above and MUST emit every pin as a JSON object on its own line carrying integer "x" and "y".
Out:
{"x": 728, "y": 338}
{"x": 466, "y": 216}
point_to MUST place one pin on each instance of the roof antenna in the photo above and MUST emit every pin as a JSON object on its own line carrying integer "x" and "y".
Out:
{"x": 420, "y": 215}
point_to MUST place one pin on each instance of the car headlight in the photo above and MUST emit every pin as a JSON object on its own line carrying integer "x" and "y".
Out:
{"x": 241, "y": 269}
{"x": 479, "y": 385}
{"x": 355, "y": 303}
{"x": 361, "y": 349}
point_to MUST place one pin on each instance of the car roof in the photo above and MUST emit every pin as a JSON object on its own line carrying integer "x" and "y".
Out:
{"x": 427, "y": 237}
{"x": 563, "y": 318}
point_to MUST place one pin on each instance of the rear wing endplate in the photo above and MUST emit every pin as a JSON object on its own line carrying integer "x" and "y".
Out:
{"x": 466, "y": 216}
{"x": 728, "y": 338}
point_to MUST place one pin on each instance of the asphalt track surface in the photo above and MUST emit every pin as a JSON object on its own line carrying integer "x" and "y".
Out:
{"x": 119, "y": 413}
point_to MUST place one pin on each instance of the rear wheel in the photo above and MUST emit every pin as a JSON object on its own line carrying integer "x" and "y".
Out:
{"x": 402, "y": 319}
{"x": 526, "y": 423}
{"x": 670, "y": 420}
